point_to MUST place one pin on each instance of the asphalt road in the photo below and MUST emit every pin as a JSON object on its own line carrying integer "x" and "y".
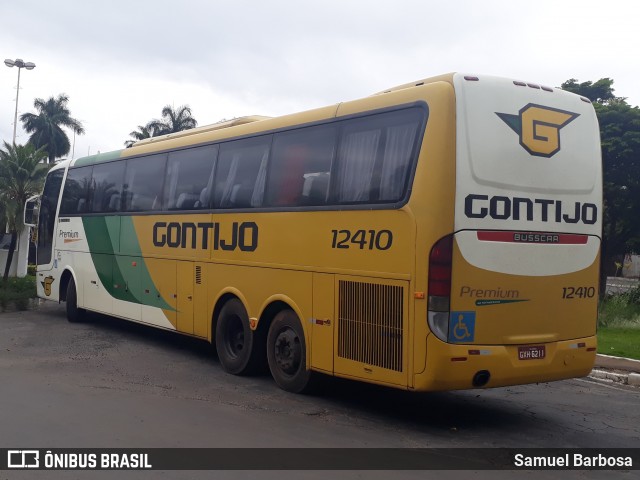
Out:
{"x": 110, "y": 383}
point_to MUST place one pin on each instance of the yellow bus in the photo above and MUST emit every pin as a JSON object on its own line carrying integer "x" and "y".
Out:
{"x": 443, "y": 234}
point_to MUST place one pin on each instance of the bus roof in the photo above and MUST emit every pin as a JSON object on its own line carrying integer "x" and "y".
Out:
{"x": 207, "y": 128}
{"x": 447, "y": 77}
{"x": 115, "y": 154}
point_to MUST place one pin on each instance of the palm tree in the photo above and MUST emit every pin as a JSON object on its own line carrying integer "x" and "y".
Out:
{"x": 144, "y": 131}
{"x": 21, "y": 176}
{"x": 174, "y": 120}
{"x": 46, "y": 126}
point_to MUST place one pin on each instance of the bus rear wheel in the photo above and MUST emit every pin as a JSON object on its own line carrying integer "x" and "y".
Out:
{"x": 287, "y": 353}
{"x": 234, "y": 339}
{"x": 74, "y": 314}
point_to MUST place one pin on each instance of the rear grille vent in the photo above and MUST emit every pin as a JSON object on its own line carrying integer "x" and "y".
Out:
{"x": 370, "y": 324}
{"x": 198, "y": 275}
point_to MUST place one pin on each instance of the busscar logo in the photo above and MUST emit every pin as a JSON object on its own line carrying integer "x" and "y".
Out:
{"x": 539, "y": 128}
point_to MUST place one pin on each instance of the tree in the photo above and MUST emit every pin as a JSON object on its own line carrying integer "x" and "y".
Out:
{"x": 620, "y": 138}
{"x": 174, "y": 120}
{"x": 144, "y": 131}
{"x": 45, "y": 127}
{"x": 600, "y": 92}
{"x": 21, "y": 176}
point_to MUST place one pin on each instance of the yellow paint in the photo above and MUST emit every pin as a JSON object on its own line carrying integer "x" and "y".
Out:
{"x": 540, "y": 128}
{"x": 323, "y": 322}
{"x": 186, "y": 274}
{"x": 503, "y": 364}
{"x": 541, "y": 308}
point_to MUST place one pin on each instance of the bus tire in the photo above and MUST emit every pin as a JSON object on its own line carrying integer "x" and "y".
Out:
{"x": 287, "y": 353}
{"x": 234, "y": 339}
{"x": 74, "y": 314}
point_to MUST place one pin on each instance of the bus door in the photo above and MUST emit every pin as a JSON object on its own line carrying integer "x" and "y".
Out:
{"x": 45, "y": 232}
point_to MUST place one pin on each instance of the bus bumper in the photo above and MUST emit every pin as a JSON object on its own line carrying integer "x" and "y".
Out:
{"x": 458, "y": 367}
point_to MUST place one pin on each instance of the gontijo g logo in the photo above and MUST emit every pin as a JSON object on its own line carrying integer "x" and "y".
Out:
{"x": 539, "y": 128}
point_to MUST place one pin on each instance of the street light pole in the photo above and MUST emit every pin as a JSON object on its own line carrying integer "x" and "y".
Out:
{"x": 18, "y": 62}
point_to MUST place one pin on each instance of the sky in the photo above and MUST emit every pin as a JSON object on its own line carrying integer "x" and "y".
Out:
{"x": 121, "y": 62}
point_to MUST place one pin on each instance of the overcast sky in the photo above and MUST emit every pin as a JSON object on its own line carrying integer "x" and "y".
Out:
{"x": 121, "y": 61}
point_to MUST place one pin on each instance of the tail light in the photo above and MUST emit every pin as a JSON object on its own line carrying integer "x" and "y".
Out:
{"x": 440, "y": 261}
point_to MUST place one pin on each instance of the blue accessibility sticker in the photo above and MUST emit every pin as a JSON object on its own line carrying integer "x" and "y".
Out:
{"x": 462, "y": 326}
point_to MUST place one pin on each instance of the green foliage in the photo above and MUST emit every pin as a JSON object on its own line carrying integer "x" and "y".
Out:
{"x": 620, "y": 138}
{"x": 620, "y": 341}
{"x": 633, "y": 296}
{"x": 173, "y": 120}
{"x": 45, "y": 127}
{"x": 21, "y": 176}
{"x": 144, "y": 131}
{"x": 620, "y": 310}
{"x": 599, "y": 92}
{"x": 17, "y": 292}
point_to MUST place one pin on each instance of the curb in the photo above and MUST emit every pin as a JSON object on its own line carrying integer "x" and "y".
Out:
{"x": 632, "y": 379}
{"x": 617, "y": 369}
{"x": 617, "y": 363}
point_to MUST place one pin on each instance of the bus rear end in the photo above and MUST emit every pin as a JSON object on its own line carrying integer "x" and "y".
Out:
{"x": 514, "y": 290}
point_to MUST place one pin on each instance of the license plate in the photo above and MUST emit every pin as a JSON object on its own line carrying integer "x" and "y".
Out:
{"x": 533, "y": 352}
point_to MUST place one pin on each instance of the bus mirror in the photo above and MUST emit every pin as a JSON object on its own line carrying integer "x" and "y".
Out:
{"x": 31, "y": 208}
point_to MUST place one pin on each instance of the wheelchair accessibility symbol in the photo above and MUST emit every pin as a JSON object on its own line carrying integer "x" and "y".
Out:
{"x": 462, "y": 327}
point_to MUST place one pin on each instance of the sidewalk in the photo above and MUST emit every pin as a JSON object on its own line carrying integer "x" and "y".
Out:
{"x": 617, "y": 369}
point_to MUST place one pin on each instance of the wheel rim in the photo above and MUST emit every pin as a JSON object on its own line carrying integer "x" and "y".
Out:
{"x": 288, "y": 351}
{"x": 234, "y": 337}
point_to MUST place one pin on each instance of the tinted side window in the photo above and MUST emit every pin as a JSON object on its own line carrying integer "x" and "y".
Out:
{"x": 75, "y": 197}
{"x": 143, "y": 182}
{"x": 241, "y": 173}
{"x": 106, "y": 185}
{"x": 189, "y": 179}
{"x": 300, "y": 166}
{"x": 375, "y": 157}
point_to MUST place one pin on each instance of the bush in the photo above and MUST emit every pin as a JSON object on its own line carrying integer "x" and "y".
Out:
{"x": 620, "y": 310}
{"x": 633, "y": 296}
{"x": 17, "y": 291}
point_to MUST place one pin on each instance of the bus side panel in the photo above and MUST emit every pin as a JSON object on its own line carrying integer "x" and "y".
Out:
{"x": 371, "y": 333}
{"x": 323, "y": 322}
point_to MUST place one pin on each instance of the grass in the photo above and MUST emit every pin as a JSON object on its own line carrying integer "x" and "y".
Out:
{"x": 619, "y": 342}
{"x": 16, "y": 292}
{"x": 619, "y": 325}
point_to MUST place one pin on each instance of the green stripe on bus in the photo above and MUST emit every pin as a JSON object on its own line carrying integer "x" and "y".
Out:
{"x": 122, "y": 280}
{"x": 98, "y": 158}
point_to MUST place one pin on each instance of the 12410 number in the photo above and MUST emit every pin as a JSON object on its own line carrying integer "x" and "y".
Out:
{"x": 578, "y": 292}
{"x": 364, "y": 239}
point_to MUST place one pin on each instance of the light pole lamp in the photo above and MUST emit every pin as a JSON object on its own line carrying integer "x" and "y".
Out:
{"x": 18, "y": 62}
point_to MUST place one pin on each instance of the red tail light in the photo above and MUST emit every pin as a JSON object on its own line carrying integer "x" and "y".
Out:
{"x": 440, "y": 261}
